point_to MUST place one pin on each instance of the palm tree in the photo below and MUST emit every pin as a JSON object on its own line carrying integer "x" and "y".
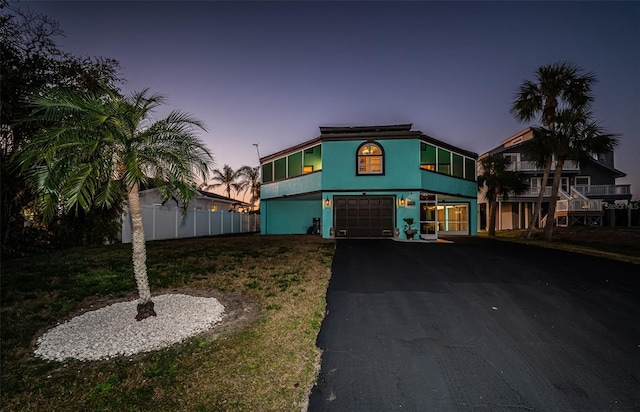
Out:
{"x": 497, "y": 181}
{"x": 575, "y": 135}
{"x": 227, "y": 178}
{"x": 556, "y": 86}
{"x": 95, "y": 150}
{"x": 251, "y": 179}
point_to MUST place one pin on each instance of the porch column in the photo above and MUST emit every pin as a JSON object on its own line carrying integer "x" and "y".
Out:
{"x": 499, "y": 215}
{"x": 612, "y": 215}
{"x": 519, "y": 215}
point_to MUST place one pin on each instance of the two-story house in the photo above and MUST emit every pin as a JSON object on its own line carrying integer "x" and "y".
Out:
{"x": 364, "y": 181}
{"x": 585, "y": 189}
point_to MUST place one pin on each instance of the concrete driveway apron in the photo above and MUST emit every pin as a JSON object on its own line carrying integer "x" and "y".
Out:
{"x": 478, "y": 325}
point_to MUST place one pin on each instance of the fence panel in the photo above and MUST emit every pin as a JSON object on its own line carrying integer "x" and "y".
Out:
{"x": 164, "y": 223}
{"x": 227, "y": 223}
{"x": 203, "y": 223}
{"x": 161, "y": 223}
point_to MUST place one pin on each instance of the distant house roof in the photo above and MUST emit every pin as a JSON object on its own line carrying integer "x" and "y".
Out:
{"x": 224, "y": 199}
{"x": 522, "y": 136}
{"x": 201, "y": 194}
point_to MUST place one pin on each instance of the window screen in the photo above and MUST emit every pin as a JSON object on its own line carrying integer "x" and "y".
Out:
{"x": 444, "y": 161}
{"x": 295, "y": 165}
{"x": 469, "y": 169}
{"x": 313, "y": 159}
{"x": 267, "y": 172}
{"x": 280, "y": 169}
{"x": 427, "y": 157}
{"x": 458, "y": 165}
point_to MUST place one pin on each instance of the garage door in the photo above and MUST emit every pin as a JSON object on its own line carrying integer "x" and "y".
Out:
{"x": 363, "y": 216}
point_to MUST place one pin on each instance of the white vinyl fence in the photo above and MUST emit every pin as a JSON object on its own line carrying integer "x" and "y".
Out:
{"x": 161, "y": 223}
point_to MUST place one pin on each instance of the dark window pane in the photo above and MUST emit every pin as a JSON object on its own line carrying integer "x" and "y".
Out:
{"x": 280, "y": 169}
{"x": 295, "y": 164}
{"x": 444, "y": 161}
{"x": 267, "y": 172}
{"x": 458, "y": 170}
{"x": 469, "y": 169}
{"x": 427, "y": 156}
{"x": 313, "y": 158}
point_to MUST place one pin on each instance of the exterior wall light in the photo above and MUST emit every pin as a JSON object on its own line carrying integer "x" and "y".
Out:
{"x": 327, "y": 202}
{"x": 402, "y": 200}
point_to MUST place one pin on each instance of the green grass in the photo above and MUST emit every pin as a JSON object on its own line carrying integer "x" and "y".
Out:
{"x": 266, "y": 365}
{"x": 619, "y": 243}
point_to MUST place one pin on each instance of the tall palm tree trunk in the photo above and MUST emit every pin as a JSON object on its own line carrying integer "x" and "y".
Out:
{"x": 493, "y": 208}
{"x": 145, "y": 304}
{"x": 557, "y": 177}
{"x": 535, "y": 212}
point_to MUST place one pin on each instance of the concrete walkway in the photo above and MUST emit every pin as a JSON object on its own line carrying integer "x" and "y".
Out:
{"x": 478, "y": 325}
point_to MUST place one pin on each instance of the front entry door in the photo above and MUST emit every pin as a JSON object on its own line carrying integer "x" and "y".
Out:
{"x": 428, "y": 216}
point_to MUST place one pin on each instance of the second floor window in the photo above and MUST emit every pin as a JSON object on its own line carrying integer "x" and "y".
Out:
{"x": 370, "y": 159}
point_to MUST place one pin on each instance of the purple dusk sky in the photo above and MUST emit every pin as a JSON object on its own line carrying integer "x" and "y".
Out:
{"x": 272, "y": 72}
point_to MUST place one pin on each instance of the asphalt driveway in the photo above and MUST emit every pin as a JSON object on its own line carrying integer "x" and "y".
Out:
{"x": 478, "y": 325}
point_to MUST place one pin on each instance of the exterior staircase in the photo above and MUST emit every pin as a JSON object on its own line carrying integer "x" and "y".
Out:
{"x": 577, "y": 208}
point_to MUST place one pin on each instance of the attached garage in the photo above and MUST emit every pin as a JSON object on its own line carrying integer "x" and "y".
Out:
{"x": 364, "y": 216}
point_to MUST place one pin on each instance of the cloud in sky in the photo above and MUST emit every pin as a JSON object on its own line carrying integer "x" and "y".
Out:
{"x": 272, "y": 72}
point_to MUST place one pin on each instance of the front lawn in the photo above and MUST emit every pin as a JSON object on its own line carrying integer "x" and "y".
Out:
{"x": 620, "y": 243}
{"x": 262, "y": 359}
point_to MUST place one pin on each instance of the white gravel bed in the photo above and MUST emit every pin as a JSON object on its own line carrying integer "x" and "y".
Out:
{"x": 113, "y": 331}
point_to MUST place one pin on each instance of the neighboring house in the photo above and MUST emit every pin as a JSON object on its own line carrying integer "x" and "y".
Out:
{"x": 586, "y": 189}
{"x": 202, "y": 201}
{"x": 363, "y": 181}
{"x": 207, "y": 214}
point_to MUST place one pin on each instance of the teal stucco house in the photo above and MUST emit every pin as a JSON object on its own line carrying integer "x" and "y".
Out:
{"x": 362, "y": 182}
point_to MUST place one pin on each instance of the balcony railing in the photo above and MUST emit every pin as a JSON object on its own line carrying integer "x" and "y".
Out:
{"x": 535, "y": 192}
{"x": 603, "y": 190}
{"x": 579, "y": 205}
{"x": 530, "y": 166}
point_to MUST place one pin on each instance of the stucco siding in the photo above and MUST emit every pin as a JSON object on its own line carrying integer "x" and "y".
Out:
{"x": 289, "y": 216}
{"x": 438, "y": 183}
{"x": 296, "y": 185}
{"x": 401, "y": 160}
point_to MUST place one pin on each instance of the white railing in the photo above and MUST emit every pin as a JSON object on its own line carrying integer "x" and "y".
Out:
{"x": 161, "y": 223}
{"x": 577, "y": 193}
{"x": 535, "y": 192}
{"x": 579, "y": 205}
{"x": 603, "y": 190}
{"x": 530, "y": 166}
{"x": 562, "y": 206}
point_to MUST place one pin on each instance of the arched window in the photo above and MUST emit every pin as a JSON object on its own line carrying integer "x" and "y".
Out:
{"x": 370, "y": 159}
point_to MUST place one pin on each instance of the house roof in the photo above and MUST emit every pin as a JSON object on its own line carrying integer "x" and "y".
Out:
{"x": 398, "y": 131}
{"x": 337, "y": 133}
{"x": 219, "y": 198}
{"x": 522, "y": 136}
{"x": 201, "y": 194}
{"x": 325, "y": 130}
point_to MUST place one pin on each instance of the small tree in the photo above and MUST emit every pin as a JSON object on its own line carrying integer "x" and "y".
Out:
{"x": 227, "y": 178}
{"x": 496, "y": 181}
{"x": 94, "y": 149}
{"x": 251, "y": 180}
